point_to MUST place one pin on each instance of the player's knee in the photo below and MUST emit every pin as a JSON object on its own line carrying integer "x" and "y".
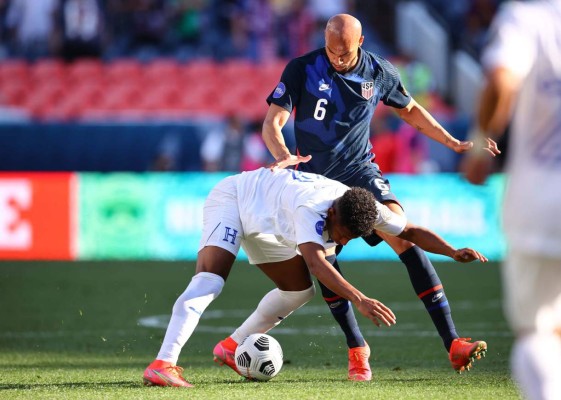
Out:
{"x": 298, "y": 298}
{"x": 201, "y": 291}
{"x": 398, "y": 245}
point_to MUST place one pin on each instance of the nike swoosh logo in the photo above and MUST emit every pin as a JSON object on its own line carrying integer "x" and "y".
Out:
{"x": 437, "y": 297}
{"x": 323, "y": 86}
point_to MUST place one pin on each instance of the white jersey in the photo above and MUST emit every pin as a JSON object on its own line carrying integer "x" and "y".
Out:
{"x": 526, "y": 39}
{"x": 293, "y": 205}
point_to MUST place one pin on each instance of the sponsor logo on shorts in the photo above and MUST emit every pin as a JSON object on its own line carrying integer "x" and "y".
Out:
{"x": 230, "y": 235}
{"x": 279, "y": 90}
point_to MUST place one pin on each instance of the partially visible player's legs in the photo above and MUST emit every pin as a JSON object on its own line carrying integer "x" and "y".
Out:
{"x": 535, "y": 366}
{"x": 202, "y": 290}
{"x": 213, "y": 267}
{"x": 342, "y": 311}
{"x": 294, "y": 289}
{"x": 429, "y": 289}
{"x": 533, "y": 308}
{"x": 219, "y": 245}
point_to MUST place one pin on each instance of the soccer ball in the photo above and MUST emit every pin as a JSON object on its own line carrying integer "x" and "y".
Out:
{"x": 259, "y": 357}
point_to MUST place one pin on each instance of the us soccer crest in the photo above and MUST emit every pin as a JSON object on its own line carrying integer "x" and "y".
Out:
{"x": 367, "y": 89}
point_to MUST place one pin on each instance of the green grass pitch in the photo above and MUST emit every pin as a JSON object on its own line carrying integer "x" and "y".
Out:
{"x": 87, "y": 330}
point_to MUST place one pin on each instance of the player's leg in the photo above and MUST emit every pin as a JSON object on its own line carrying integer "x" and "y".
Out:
{"x": 533, "y": 308}
{"x": 220, "y": 243}
{"x": 294, "y": 289}
{"x": 342, "y": 311}
{"x": 422, "y": 274}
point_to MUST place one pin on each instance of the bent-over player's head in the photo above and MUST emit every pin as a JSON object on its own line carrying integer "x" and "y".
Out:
{"x": 352, "y": 215}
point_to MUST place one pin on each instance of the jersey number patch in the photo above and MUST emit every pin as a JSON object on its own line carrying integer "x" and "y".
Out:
{"x": 320, "y": 111}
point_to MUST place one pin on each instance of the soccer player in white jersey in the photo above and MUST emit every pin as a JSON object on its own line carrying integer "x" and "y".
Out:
{"x": 286, "y": 221}
{"x": 523, "y": 68}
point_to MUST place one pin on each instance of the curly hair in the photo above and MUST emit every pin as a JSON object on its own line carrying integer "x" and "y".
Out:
{"x": 357, "y": 211}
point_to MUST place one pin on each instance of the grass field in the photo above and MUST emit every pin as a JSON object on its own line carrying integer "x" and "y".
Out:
{"x": 88, "y": 329}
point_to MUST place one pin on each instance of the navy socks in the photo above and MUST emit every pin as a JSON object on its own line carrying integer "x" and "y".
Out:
{"x": 429, "y": 289}
{"x": 342, "y": 311}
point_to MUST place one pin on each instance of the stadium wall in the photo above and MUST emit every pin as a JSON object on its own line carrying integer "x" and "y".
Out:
{"x": 158, "y": 216}
{"x": 100, "y": 146}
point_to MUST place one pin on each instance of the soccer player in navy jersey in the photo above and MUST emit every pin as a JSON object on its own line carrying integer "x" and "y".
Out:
{"x": 334, "y": 91}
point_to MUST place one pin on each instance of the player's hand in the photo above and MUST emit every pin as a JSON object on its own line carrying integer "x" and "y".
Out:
{"x": 487, "y": 145}
{"x": 466, "y": 255}
{"x": 462, "y": 147}
{"x": 476, "y": 169}
{"x": 287, "y": 161}
{"x": 491, "y": 147}
{"x": 484, "y": 145}
{"x": 375, "y": 311}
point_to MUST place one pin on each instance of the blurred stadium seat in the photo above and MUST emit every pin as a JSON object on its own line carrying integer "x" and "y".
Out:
{"x": 52, "y": 89}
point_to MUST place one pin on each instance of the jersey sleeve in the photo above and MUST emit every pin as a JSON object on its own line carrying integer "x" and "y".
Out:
{"x": 287, "y": 91}
{"x": 394, "y": 94}
{"x": 510, "y": 44}
{"x": 308, "y": 226}
{"x": 388, "y": 221}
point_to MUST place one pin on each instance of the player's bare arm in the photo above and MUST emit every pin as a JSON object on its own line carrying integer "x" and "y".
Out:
{"x": 272, "y": 136}
{"x": 420, "y": 119}
{"x": 433, "y": 243}
{"x": 495, "y": 109}
{"x": 314, "y": 256}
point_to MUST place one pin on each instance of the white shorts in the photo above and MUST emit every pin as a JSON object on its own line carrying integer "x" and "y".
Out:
{"x": 532, "y": 292}
{"x": 223, "y": 228}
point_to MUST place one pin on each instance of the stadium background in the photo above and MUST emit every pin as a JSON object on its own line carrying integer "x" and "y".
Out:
{"x": 113, "y": 128}
{"x": 163, "y": 98}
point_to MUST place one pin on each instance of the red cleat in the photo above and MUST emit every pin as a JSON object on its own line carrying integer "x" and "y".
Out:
{"x": 224, "y": 353}
{"x": 163, "y": 373}
{"x": 359, "y": 368}
{"x": 463, "y": 353}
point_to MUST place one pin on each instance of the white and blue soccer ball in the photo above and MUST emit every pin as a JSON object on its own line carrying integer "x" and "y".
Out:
{"x": 259, "y": 357}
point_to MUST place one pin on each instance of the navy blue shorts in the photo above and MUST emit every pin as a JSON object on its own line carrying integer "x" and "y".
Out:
{"x": 370, "y": 178}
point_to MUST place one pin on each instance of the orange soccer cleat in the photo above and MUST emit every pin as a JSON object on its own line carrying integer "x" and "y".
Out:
{"x": 463, "y": 353}
{"x": 359, "y": 368}
{"x": 163, "y": 373}
{"x": 224, "y": 353}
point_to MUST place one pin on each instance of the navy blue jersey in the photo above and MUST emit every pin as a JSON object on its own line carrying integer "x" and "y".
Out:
{"x": 333, "y": 111}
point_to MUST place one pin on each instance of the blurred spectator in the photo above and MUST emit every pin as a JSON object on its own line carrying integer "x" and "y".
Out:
{"x": 262, "y": 31}
{"x": 3, "y": 30}
{"x": 228, "y": 38}
{"x": 31, "y": 28}
{"x": 188, "y": 21}
{"x": 398, "y": 147}
{"x": 234, "y": 147}
{"x": 82, "y": 26}
{"x": 255, "y": 154}
{"x": 417, "y": 78}
{"x": 321, "y": 11}
{"x": 299, "y": 25}
{"x": 222, "y": 149}
{"x": 150, "y": 22}
{"x": 167, "y": 157}
{"x": 477, "y": 21}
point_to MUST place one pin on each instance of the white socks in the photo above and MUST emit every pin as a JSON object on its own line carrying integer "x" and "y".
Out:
{"x": 272, "y": 309}
{"x": 536, "y": 366}
{"x": 187, "y": 310}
